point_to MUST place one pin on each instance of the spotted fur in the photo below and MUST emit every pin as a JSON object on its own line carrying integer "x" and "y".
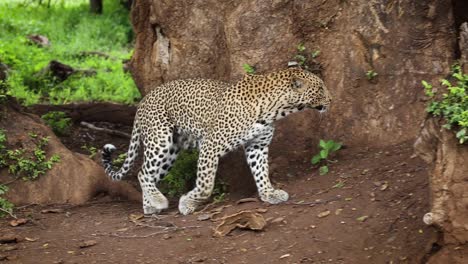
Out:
{"x": 215, "y": 117}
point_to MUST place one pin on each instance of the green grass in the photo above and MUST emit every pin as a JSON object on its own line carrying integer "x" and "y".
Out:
{"x": 71, "y": 29}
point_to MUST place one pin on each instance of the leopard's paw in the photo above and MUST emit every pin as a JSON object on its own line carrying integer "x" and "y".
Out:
{"x": 274, "y": 196}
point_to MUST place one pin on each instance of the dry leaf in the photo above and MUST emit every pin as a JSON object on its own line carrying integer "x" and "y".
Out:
{"x": 384, "y": 186}
{"x": 19, "y": 221}
{"x": 362, "y": 218}
{"x": 135, "y": 217}
{"x": 247, "y": 200}
{"x": 243, "y": 219}
{"x": 277, "y": 220}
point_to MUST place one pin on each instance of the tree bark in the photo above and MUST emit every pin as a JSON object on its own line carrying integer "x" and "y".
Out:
{"x": 95, "y": 6}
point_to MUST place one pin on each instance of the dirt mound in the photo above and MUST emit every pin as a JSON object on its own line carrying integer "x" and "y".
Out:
{"x": 74, "y": 179}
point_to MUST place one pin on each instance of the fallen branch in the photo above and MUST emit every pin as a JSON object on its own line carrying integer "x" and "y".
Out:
{"x": 92, "y": 112}
{"x": 106, "y": 130}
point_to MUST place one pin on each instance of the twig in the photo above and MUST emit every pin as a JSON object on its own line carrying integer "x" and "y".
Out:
{"x": 315, "y": 202}
{"x": 165, "y": 231}
{"x": 8, "y": 212}
{"x": 9, "y": 182}
{"x": 106, "y": 130}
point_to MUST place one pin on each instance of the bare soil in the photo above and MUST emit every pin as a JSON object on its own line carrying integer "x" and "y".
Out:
{"x": 375, "y": 216}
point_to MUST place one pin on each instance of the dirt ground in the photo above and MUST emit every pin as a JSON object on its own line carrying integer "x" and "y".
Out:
{"x": 371, "y": 205}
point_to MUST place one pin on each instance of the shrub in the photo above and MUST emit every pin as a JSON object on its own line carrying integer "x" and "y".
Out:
{"x": 452, "y": 105}
{"x": 58, "y": 121}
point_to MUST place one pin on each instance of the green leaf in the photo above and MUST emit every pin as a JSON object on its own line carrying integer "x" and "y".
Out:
{"x": 301, "y": 47}
{"x": 316, "y": 159}
{"x": 426, "y": 84}
{"x": 461, "y": 133}
{"x": 322, "y": 144}
{"x": 324, "y": 153}
{"x": 336, "y": 146}
{"x": 323, "y": 170}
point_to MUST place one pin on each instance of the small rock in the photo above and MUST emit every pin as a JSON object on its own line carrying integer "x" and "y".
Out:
{"x": 261, "y": 210}
{"x": 285, "y": 256}
{"x": 323, "y": 214}
{"x": 88, "y": 243}
{"x": 166, "y": 236}
{"x": 338, "y": 211}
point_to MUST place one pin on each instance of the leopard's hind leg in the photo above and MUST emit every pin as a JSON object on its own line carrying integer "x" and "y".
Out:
{"x": 159, "y": 155}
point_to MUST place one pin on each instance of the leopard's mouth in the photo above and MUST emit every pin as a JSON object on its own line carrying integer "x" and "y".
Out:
{"x": 321, "y": 108}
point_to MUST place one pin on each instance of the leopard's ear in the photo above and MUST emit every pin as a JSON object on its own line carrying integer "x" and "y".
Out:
{"x": 293, "y": 64}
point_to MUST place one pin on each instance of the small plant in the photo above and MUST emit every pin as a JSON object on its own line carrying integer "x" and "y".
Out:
{"x": 118, "y": 162}
{"x": 248, "y": 68}
{"x": 326, "y": 149}
{"x": 182, "y": 175}
{"x": 306, "y": 59}
{"x": 371, "y": 74}
{"x": 6, "y": 207}
{"x": 219, "y": 191}
{"x": 315, "y": 53}
{"x": 28, "y": 164}
{"x": 92, "y": 151}
{"x": 58, "y": 121}
{"x": 452, "y": 105}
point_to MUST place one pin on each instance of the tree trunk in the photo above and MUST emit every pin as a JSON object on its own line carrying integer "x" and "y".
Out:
{"x": 95, "y": 6}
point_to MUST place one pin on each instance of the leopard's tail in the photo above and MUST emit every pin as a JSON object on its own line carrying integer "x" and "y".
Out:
{"x": 132, "y": 153}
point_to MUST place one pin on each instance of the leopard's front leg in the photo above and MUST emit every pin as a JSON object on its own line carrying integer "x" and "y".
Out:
{"x": 206, "y": 173}
{"x": 256, "y": 152}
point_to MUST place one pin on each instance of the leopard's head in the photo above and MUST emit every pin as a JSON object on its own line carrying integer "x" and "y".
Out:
{"x": 308, "y": 90}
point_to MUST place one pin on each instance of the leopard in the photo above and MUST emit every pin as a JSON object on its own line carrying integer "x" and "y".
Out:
{"x": 214, "y": 117}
